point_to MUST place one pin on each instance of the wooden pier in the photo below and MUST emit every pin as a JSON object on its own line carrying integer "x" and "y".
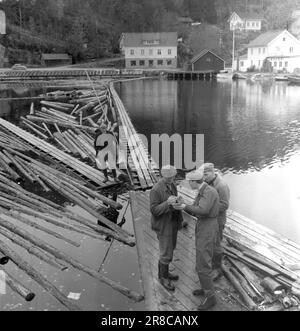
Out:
{"x": 191, "y": 75}
{"x": 56, "y": 74}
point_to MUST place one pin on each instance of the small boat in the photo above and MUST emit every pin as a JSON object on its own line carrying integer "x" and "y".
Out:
{"x": 239, "y": 76}
{"x": 294, "y": 79}
{"x": 283, "y": 78}
{"x": 224, "y": 74}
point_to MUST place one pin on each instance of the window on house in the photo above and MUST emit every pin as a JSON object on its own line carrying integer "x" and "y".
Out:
{"x": 159, "y": 51}
{"x": 257, "y": 24}
{"x": 150, "y": 63}
{"x": 286, "y": 64}
{"x": 132, "y": 52}
{"x": 169, "y": 51}
{"x": 169, "y": 62}
{"x": 248, "y": 24}
{"x": 291, "y": 49}
{"x": 142, "y": 52}
{"x": 275, "y": 64}
{"x": 142, "y": 62}
{"x": 133, "y": 63}
{"x": 280, "y": 64}
{"x": 160, "y": 62}
{"x": 208, "y": 59}
{"x": 253, "y": 24}
{"x": 150, "y": 51}
{"x": 259, "y": 50}
{"x": 283, "y": 39}
{"x": 264, "y": 50}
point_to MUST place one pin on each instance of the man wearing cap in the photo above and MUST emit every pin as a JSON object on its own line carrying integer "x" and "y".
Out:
{"x": 106, "y": 151}
{"x": 206, "y": 209}
{"x": 216, "y": 181}
{"x": 165, "y": 221}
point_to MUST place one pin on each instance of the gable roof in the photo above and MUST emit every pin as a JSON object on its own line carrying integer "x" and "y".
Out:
{"x": 265, "y": 38}
{"x": 249, "y": 16}
{"x": 202, "y": 53}
{"x": 137, "y": 39}
{"x": 53, "y": 56}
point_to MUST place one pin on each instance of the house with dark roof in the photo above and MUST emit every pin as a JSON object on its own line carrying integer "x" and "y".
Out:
{"x": 157, "y": 50}
{"x": 207, "y": 60}
{"x": 246, "y": 21}
{"x": 280, "y": 49}
{"x": 53, "y": 59}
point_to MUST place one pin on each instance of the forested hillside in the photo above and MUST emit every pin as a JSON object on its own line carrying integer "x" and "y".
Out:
{"x": 91, "y": 28}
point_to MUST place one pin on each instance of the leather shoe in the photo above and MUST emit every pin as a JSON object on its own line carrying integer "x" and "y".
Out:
{"x": 165, "y": 282}
{"x": 217, "y": 273}
{"x": 208, "y": 303}
{"x": 199, "y": 292}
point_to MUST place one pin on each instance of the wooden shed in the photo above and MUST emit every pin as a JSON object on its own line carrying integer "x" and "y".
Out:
{"x": 207, "y": 60}
{"x": 53, "y": 59}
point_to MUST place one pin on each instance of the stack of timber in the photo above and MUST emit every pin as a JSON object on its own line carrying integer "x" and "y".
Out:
{"x": 19, "y": 206}
{"x": 261, "y": 264}
{"x": 145, "y": 170}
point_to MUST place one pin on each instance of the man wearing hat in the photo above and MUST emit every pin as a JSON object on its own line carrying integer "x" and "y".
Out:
{"x": 106, "y": 151}
{"x": 165, "y": 221}
{"x": 206, "y": 209}
{"x": 216, "y": 181}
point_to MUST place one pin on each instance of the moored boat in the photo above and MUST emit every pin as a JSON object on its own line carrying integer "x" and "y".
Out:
{"x": 294, "y": 79}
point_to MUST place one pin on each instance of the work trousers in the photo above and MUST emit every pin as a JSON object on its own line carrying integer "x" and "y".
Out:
{"x": 218, "y": 248}
{"x": 106, "y": 158}
{"x": 167, "y": 245}
{"x": 206, "y": 235}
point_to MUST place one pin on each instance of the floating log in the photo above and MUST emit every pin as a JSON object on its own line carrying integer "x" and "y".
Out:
{"x": 32, "y": 108}
{"x": 57, "y": 105}
{"x": 42, "y": 255}
{"x": 43, "y": 136}
{"x": 76, "y": 264}
{"x": 21, "y": 169}
{"x": 37, "y": 226}
{"x": 3, "y": 259}
{"x": 61, "y": 123}
{"x": 248, "y": 301}
{"x": 17, "y": 287}
{"x": 39, "y": 278}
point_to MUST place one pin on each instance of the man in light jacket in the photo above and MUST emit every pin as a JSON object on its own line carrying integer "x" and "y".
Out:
{"x": 206, "y": 209}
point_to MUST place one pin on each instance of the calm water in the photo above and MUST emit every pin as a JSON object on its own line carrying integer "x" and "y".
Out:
{"x": 252, "y": 134}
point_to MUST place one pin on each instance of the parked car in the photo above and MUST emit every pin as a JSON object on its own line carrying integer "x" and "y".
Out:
{"x": 18, "y": 66}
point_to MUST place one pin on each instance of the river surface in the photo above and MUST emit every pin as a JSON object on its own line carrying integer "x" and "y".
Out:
{"x": 251, "y": 132}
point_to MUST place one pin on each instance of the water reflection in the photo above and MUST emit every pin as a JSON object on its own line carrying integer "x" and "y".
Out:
{"x": 252, "y": 133}
{"x": 247, "y": 126}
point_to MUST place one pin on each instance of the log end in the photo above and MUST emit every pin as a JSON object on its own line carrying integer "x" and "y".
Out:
{"x": 29, "y": 297}
{"x": 4, "y": 260}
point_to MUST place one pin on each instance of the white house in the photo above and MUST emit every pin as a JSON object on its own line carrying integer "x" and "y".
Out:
{"x": 280, "y": 48}
{"x": 247, "y": 22}
{"x": 150, "y": 50}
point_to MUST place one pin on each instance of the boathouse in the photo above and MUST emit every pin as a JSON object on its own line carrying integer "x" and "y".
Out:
{"x": 150, "y": 50}
{"x": 207, "y": 60}
{"x": 52, "y": 59}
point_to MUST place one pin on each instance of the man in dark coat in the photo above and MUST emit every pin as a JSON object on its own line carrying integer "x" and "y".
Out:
{"x": 206, "y": 209}
{"x": 165, "y": 221}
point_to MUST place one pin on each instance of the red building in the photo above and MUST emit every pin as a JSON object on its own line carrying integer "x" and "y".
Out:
{"x": 207, "y": 60}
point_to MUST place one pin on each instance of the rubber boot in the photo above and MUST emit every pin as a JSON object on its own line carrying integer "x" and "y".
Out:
{"x": 163, "y": 277}
{"x": 105, "y": 176}
{"x": 208, "y": 302}
{"x": 172, "y": 276}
